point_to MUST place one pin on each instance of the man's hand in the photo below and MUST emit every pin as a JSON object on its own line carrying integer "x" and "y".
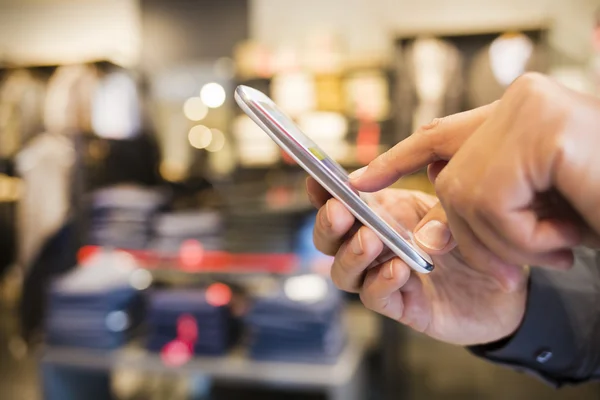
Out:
{"x": 521, "y": 184}
{"x": 455, "y": 303}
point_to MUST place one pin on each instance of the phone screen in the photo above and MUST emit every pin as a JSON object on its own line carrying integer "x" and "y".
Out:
{"x": 332, "y": 176}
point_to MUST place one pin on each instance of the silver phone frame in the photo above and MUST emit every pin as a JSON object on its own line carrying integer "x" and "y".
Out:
{"x": 249, "y": 100}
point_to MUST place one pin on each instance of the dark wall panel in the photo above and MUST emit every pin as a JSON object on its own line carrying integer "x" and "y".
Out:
{"x": 176, "y": 31}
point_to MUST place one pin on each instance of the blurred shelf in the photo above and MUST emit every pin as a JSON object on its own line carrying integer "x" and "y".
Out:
{"x": 526, "y": 24}
{"x": 207, "y": 261}
{"x": 235, "y": 367}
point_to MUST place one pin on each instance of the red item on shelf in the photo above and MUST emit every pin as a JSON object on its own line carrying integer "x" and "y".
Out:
{"x": 176, "y": 353}
{"x": 191, "y": 254}
{"x": 211, "y": 261}
{"x": 187, "y": 329}
{"x": 367, "y": 141}
{"x": 218, "y": 295}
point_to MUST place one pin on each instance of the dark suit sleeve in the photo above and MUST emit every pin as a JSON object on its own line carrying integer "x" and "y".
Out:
{"x": 559, "y": 338}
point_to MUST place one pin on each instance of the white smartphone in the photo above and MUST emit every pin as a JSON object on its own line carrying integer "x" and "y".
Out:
{"x": 263, "y": 111}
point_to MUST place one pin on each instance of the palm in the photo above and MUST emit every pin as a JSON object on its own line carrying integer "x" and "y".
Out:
{"x": 456, "y": 303}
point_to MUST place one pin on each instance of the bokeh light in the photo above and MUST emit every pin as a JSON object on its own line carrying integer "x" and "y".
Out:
{"x": 213, "y": 95}
{"x": 191, "y": 253}
{"x": 187, "y": 329}
{"x": 176, "y": 353}
{"x": 306, "y": 288}
{"x": 218, "y": 295}
{"x": 117, "y": 321}
{"x": 200, "y": 137}
{"x": 194, "y": 109}
{"x": 217, "y": 141}
{"x": 140, "y": 279}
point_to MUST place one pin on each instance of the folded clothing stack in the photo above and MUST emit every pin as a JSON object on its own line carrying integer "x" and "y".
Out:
{"x": 173, "y": 313}
{"x": 292, "y": 327}
{"x": 95, "y": 306}
{"x": 262, "y": 231}
{"x": 172, "y": 230}
{"x": 121, "y": 216}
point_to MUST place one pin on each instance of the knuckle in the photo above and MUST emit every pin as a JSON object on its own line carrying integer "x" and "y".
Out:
{"x": 484, "y": 203}
{"x": 430, "y": 133}
{"x": 431, "y": 126}
{"x": 450, "y": 191}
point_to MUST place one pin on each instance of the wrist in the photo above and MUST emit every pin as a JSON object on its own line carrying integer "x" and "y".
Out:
{"x": 511, "y": 328}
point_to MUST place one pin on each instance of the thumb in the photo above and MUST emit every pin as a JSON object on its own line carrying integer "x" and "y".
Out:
{"x": 433, "y": 233}
{"x": 437, "y": 141}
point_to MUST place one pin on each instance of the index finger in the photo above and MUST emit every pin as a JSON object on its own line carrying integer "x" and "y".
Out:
{"x": 436, "y": 141}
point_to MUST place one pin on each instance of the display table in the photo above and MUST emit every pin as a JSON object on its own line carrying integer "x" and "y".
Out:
{"x": 344, "y": 380}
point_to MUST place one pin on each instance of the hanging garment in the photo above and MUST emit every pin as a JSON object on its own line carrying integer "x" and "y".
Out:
{"x": 429, "y": 83}
{"x": 56, "y": 256}
{"x": 45, "y": 163}
{"x": 21, "y": 108}
{"x": 495, "y": 67}
{"x": 129, "y": 161}
{"x": 116, "y": 111}
{"x": 9, "y": 192}
{"x": 120, "y": 149}
{"x": 45, "y": 168}
{"x": 68, "y": 103}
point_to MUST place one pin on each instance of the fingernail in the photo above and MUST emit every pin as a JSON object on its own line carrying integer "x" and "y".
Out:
{"x": 388, "y": 271}
{"x": 433, "y": 235}
{"x": 356, "y": 244}
{"x": 356, "y": 174}
{"x": 327, "y": 218}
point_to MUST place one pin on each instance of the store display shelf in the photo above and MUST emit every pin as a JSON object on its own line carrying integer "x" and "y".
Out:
{"x": 193, "y": 259}
{"x": 235, "y": 366}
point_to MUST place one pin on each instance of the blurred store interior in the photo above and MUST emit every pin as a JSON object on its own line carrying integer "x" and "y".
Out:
{"x": 156, "y": 244}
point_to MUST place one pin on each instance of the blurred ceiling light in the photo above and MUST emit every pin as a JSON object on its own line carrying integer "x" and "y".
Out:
{"x": 217, "y": 141}
{"x": 213, "y": 95}
{"x": 306, "y": 288}
{"x": 194, "y": 109}
{"x": 200, "y": 137}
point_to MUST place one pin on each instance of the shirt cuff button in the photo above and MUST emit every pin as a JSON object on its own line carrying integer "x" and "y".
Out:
{"x": 543, "y": 356}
